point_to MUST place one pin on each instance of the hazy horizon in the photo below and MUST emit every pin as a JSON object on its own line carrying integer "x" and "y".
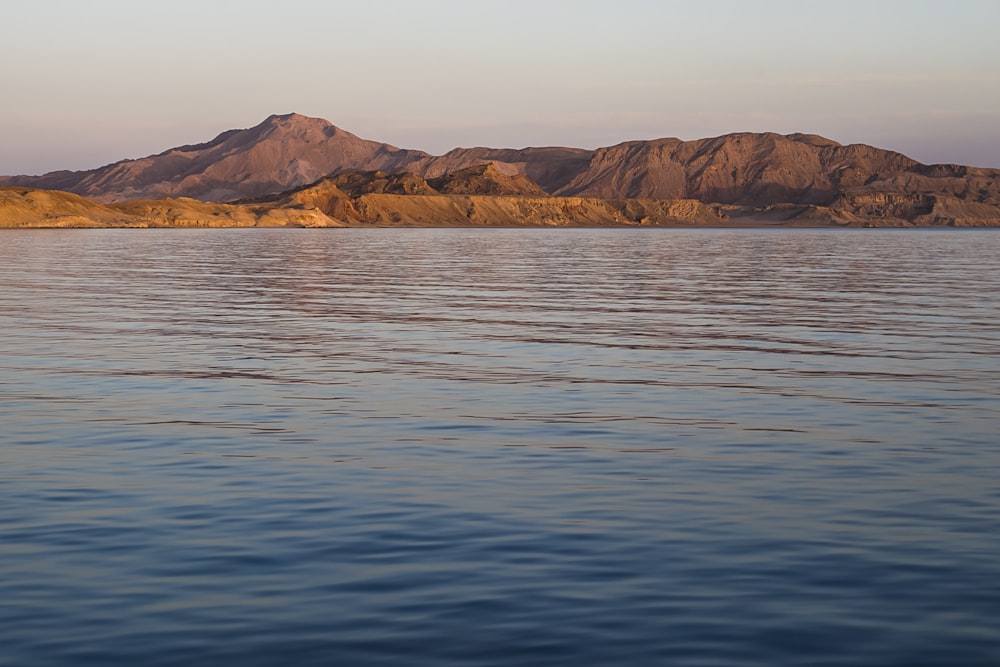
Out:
{"x": 109, "y": 80}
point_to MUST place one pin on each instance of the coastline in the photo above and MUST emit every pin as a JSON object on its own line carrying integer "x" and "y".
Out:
{"x": 28, "y": 208}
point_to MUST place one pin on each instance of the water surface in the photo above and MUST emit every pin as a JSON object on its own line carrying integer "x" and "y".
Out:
{"x": 499, "y": 447}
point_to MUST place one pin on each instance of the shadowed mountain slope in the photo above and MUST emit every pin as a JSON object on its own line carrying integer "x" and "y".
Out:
{"x": 356, "y": 183}
{"x": 551, "y": 168}
{"x": 486, "y": 179}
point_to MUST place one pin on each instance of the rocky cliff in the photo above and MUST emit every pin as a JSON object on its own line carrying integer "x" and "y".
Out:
{"x": 326, "y": 205}
{"x": 376, "y": 199}
{"x": 27, "y": 208}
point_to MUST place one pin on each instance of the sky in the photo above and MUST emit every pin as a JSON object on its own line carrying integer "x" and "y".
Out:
{"x": 89, "y": 83}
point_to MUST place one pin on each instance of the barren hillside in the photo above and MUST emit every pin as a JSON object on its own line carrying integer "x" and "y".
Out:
{"x": 757, "y": 173}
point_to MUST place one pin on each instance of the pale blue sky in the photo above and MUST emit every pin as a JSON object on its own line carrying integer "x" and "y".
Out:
{"x": 89, "y": 82}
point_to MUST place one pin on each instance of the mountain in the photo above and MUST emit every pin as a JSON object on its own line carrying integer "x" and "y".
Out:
{"x": 744, "y": 168}
{"x": 279, "y": 154}
{"x": 755, "y": 174}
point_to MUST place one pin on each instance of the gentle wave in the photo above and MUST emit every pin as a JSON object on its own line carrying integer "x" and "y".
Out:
{"x": 726, "y": 447}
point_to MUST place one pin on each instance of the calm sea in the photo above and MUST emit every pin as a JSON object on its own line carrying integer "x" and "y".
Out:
{"x": 499, "y": 447}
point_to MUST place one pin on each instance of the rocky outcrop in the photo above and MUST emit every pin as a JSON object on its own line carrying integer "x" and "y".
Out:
{"x": 379, "y": 182}
{"x": 520, "y": 211}
{"x": 551, "y": 168}
{"x": 872, "y": 208}
{"x": 26, "y": 208}
{"x": 353, "y": 199}
{"x": 877, "y": 205}
{"x": 486, "y": 179}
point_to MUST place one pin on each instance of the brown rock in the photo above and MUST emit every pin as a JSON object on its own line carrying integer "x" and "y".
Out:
{"x": 31, "y": 208}
{"x": 486, "y": 179}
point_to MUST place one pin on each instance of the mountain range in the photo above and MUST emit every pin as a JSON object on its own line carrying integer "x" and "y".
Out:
{"x": 798, "y": 177}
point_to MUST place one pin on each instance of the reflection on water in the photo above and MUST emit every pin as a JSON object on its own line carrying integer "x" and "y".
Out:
{"x": 517, "y": 447}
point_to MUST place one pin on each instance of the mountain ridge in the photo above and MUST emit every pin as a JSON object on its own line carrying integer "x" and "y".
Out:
{"x": 282, "y": 152}
{"x": 755, "y": 171}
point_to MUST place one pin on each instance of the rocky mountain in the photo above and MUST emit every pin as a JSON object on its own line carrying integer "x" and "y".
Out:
{"x": 279, "y": 154}
{"x": 755, "y": 173}
{"x": 758, "y": 173}
{"x": 745, "y": 168}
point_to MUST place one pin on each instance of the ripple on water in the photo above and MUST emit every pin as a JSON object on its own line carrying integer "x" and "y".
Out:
{"x": 499, "y": 447}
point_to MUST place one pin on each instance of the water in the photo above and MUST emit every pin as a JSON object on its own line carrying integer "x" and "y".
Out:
{"x": 499, "y": 447}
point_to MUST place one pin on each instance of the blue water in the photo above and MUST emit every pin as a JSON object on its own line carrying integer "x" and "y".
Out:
{"x": 499, "y": 447}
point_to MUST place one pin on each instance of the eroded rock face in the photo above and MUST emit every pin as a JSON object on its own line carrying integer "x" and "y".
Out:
{"x": 30, "y": 208}
{"x": 551, "y": 168}
{"x": 380, "y": 182}
{"x": 486, "y": 179}
{"x": 326, "y": 205}
{"x": 885, "y": 205}
{"x": 917, "y": 209}
{"x": 519, "y": 211}
{"x": 747, "y": 169}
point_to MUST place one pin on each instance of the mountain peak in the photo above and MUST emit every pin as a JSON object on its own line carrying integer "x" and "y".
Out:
{"x": 812, "y": 140}
{"x": 297, "y": 123}
{"x": 294, "y": 119}
{"x": 281, "y": 152}
{"x": 289, "y": 116}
